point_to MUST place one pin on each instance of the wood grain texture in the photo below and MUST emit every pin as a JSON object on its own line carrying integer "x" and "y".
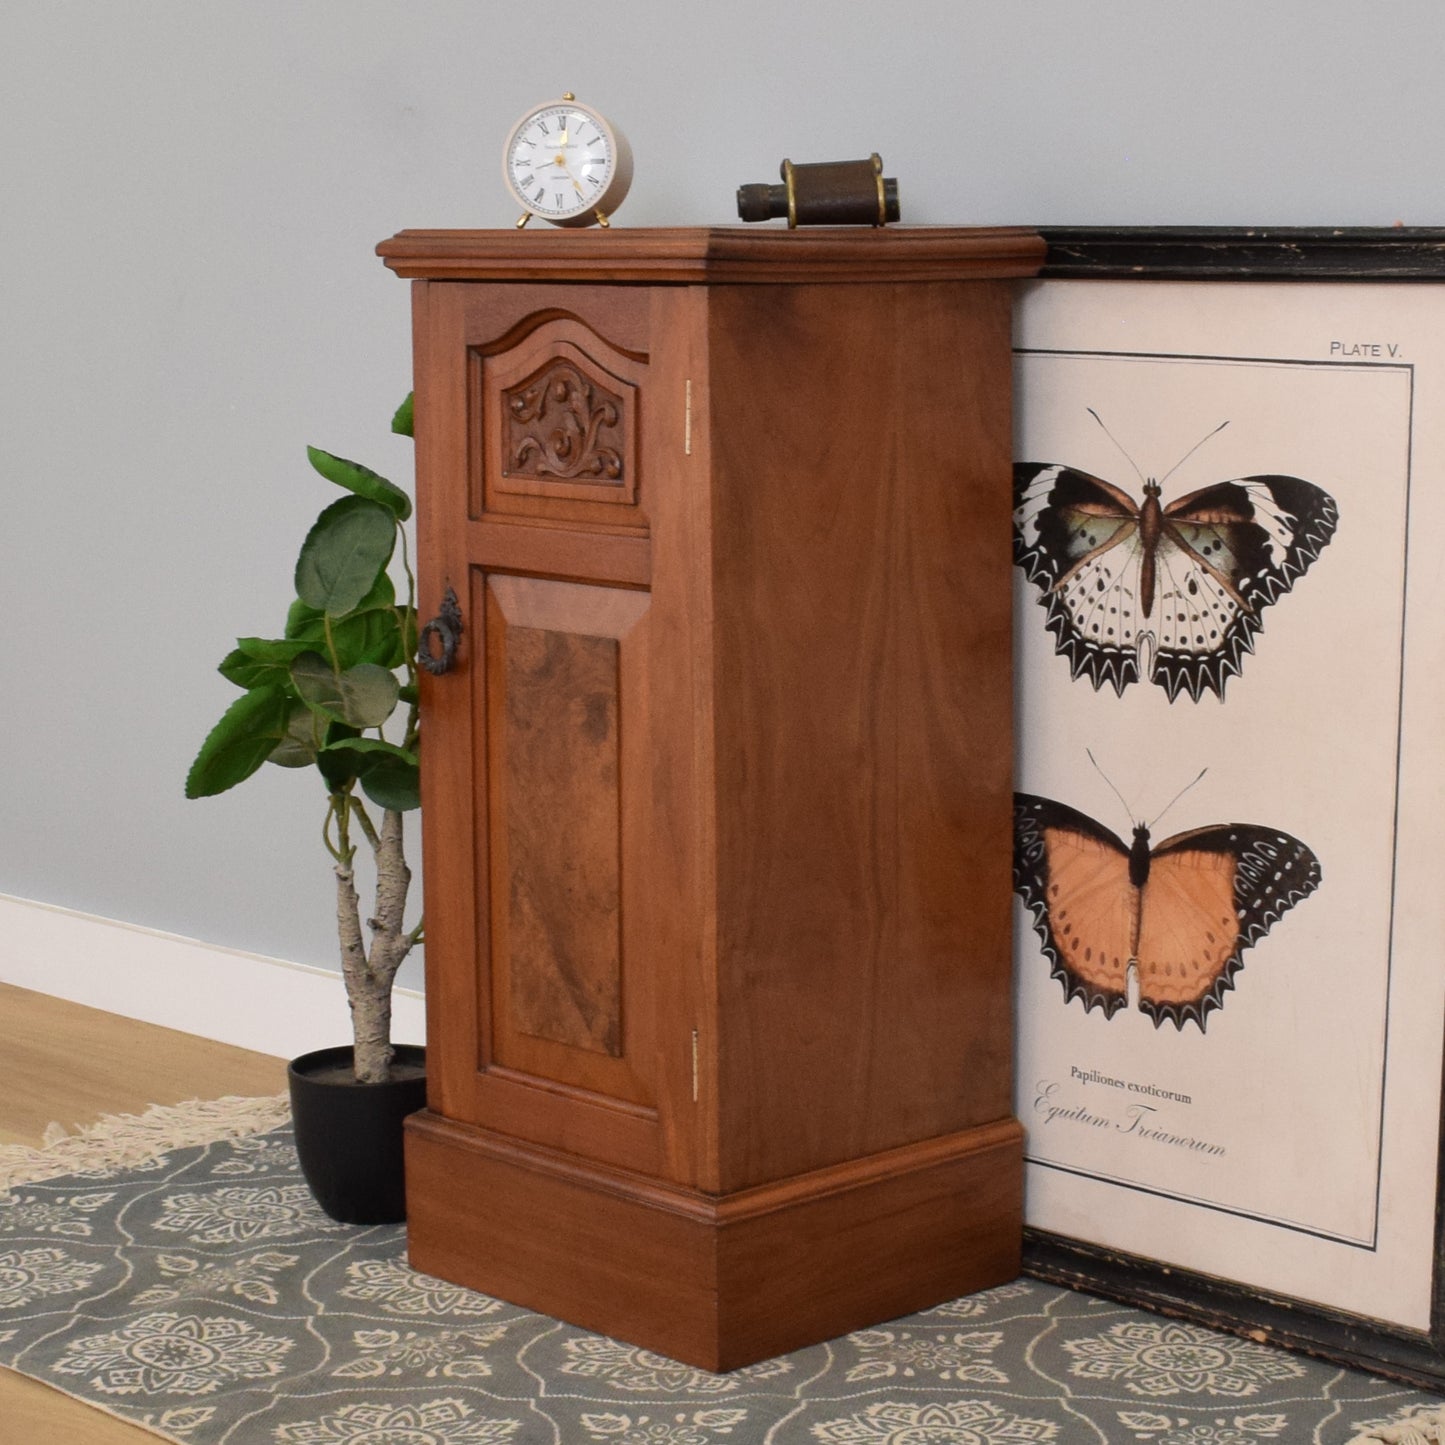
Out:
{"x": 554, "y": 789}
{"x": 563, "y": 873}
{"x": 864, "y": 738}
{"x": 70, "y": 1064}
{"x": 715, "y": 1282}
{"x": 695, "y": 255}
{"x": 810, "y": 883}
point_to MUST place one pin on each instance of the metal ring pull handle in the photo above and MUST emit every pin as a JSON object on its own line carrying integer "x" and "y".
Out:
{"x": 444, "y": 629}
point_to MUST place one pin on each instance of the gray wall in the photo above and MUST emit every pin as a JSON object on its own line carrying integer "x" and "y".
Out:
{"x": 190, "y": 192}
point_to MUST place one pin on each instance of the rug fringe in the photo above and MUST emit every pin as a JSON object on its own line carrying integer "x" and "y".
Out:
{"x": 1426, "y": 1428}
{"x": 126, "y": 1141}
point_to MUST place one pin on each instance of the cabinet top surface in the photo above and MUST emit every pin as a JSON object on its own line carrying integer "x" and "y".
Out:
{"x": 699, "y": 254}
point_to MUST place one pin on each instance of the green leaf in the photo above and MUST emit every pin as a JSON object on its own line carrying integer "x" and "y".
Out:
{"x": 392, "y": 783}
{"x": 344, "y": 555}
{"x": 337, "y": 768}
{"x": 402, "y": 422}
{"x": 373, "y": 636}
{"x": 240, "y": 742}
{"x": 390, "y": 775}
{"x": 305, "y": 623}
{"x": 363, "y": 696}
{"x": 372, "y": 748}
{"x": 299, "y": 745}
{"x": 246, "y": 673}
{"x": 260, "y": 662}
{"x": 361, "y": 480}
{"x": 280, "y": 651}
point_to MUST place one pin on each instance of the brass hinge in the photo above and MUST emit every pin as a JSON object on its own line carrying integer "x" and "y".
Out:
{"x": 694, "y": 1066}
{"x": 687, "y": 419}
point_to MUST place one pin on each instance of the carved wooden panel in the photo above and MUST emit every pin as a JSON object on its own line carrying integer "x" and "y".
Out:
{"x": 560, "y": 663}
{"x": 562, "y": 423}
{"x": 556, "y": 407}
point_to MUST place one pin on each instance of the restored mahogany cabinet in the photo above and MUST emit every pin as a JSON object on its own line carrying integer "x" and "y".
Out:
{"x": 717, "y": 824}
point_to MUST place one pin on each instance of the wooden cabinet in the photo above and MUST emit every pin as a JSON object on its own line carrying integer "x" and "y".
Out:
{"x": 717, "y": 825}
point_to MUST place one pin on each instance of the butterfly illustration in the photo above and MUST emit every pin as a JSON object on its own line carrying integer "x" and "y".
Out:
{"x": 1182, "y": 913}
{"x": 1175, "y": 591}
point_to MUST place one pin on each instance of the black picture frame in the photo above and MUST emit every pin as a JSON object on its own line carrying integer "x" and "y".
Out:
{"x": 1242, "y": 255}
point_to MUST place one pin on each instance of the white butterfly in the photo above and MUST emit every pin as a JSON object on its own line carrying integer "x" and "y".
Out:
{"x": 1175, "y": 592}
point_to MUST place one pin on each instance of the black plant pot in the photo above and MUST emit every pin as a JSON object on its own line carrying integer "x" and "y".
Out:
{"x": 349, "y": 1136}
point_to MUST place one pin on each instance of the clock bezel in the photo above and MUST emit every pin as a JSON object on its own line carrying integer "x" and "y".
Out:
{"x": 615, "y": 185}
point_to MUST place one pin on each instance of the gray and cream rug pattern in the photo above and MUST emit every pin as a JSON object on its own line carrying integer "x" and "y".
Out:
{"x": 202, "y": 1295}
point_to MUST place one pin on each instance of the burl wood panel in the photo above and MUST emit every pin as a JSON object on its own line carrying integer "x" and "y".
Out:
{"x": 554, "y": 798}
{"x": 861, "y": 463}
{"x": 559, "y": 749}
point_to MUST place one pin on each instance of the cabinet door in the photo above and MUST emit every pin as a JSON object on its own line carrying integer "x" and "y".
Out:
{"x": 556, "y": 995}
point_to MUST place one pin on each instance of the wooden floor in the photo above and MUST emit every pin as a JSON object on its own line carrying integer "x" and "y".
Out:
{"x": 69, "y": 1065}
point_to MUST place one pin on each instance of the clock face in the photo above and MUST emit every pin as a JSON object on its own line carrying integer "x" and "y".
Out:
{"x": 562, "y": 163}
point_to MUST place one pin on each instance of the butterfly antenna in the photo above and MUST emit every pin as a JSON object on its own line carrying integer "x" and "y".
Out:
{"x": 1191, "y": 452}
{"x": 1128, "y": 812}
{"x": 1177, "y": 797}
{"x": 1122, "y": 453}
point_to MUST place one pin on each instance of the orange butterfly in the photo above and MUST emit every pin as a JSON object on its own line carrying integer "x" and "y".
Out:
{"x": 1181, "y": 913}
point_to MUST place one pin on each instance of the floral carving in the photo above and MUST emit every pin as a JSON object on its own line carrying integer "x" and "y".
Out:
{"x": 562, "y": 424}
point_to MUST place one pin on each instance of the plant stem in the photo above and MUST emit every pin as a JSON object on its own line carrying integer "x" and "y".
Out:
{"x": 367, "y": 826}
{"x": 369, "y": 979}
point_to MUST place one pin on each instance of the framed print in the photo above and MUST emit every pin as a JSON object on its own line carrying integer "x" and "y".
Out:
{"x": 1230, "y": 534}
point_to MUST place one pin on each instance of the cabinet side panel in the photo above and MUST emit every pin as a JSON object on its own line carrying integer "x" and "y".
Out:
{"x": 863, "y": 748}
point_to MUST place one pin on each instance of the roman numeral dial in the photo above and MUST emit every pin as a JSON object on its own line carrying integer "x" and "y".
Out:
{"x": 566, "y": 164}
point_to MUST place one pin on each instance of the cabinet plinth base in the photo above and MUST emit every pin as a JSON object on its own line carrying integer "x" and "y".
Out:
{"x": 716, "y": 1281}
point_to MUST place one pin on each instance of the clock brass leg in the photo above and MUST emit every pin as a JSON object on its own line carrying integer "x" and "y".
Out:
{"x": 602, "y": 220}
{"x": 523, "y": 219}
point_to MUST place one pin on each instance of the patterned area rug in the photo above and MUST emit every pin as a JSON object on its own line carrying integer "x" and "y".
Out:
{"x": 200, "y": 1294}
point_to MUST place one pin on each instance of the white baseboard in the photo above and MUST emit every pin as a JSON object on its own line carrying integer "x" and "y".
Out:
{"x": 239, "y": 998}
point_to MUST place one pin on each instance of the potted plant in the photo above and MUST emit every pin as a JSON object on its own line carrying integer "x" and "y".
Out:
{"x": 338, "y": 692}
